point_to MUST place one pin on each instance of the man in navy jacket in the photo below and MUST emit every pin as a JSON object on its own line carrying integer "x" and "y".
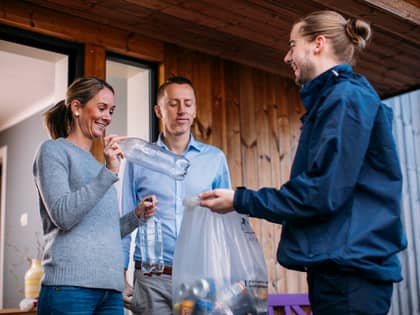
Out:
{"x": 340, "y": 210}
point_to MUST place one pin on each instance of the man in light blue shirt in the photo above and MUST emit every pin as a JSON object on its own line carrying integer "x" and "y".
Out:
{"x": 152, "y": 294}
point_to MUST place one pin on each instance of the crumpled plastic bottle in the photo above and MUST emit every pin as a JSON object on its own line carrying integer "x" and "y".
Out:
{"x": 191, "y": 202}
{"x": 155, "y": 158}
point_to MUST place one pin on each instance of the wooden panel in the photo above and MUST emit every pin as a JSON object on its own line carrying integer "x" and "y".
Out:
{"x": 186, "y": 60}
{"x": 221, "y": 16}
{"x": 266, "y": 170}
{"x": 70, "y": 27}
{"x": 95, "y": 58}
{"x": 218, "y": 105}
{"x": 400, "y": 24}
{"x": 233, "y": 141}
{"x": 248, "y": 135}
{"x": 273, "y": 85}
{"x": 285, "y": 153}
{"x": 202, "y": 81}
{"x": 248, "y": 128}
{"x": 171, "y": 63}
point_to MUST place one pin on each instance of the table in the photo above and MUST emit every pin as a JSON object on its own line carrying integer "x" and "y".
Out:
{"x": 17, "y": 311}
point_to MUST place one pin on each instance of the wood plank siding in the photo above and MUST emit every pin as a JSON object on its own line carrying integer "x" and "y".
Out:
{"x": 95, "y": 57}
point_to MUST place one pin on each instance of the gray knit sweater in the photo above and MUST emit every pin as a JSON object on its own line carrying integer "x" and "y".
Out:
{"x": 79, "y": 212}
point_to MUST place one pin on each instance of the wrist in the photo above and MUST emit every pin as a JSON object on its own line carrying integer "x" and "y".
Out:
{"x": 139, "y": 214}
{"x": 112, "y": 170}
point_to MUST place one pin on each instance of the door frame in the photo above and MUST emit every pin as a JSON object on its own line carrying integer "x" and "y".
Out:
{"x": 3, "y": 170}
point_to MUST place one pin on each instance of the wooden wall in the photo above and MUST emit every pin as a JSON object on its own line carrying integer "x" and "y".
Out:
{"x": 250, "y": 114}
{"x": 254, "y": 117}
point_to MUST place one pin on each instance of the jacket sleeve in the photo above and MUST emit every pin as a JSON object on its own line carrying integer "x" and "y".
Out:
{"x": 336, "y": 147}
{"x": 66, "y": 208}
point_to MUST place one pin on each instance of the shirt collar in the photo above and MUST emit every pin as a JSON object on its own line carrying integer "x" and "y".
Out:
{"x": 192, "y": 144}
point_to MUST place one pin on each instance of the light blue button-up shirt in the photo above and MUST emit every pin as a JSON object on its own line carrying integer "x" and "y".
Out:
{"x": 208, "y": 170}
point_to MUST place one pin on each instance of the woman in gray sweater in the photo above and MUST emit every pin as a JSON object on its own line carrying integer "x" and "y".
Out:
{"x": 83, "y": 259}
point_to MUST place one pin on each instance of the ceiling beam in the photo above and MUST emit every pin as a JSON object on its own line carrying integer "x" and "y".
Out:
{"x": 69, "y": 27}
{"x": 397, "y": 18}
{"x": 400, "y": 8}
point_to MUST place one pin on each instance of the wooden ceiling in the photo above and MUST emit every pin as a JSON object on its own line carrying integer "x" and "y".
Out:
{"x": 256, "y": 32}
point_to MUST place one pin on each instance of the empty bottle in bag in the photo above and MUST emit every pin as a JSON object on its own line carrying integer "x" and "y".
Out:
{"x": 191, "y": 202}
{"x": 232, "y": 292}
{"x": 155, "y": 158}
{"x": 151, "y": 245}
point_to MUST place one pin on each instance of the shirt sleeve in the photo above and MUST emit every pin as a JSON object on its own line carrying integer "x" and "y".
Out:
{"x": 222, "y": 179}
{"x": 337, "y": 145}
{"x": 66, "y": 207}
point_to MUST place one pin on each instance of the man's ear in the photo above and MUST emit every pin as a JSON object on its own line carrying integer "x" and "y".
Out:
{"x": 158, "y": 113}
{"x": 320, "y": 42}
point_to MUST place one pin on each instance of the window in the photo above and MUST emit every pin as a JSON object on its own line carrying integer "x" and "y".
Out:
{"x": 134, "y": 83}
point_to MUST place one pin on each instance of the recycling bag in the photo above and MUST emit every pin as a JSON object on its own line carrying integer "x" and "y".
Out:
{"x": 218, "y": 266}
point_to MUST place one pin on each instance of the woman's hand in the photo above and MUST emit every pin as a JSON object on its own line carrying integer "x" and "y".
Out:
{"x": 147, "y": 207}
{"x": 113, "y": 153}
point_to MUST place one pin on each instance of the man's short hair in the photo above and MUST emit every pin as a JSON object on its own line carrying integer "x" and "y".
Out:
{"x": 173, "y": 80}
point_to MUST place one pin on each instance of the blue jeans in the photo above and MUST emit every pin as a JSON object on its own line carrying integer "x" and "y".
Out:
{"x": 63, "y": 300}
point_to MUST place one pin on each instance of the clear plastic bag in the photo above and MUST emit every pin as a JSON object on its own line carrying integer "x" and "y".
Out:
{"x": 155, "y": 158}
{"x": 218, "y": 267}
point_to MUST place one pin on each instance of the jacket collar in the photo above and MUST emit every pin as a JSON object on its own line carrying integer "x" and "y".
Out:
{"x": 313, "y": 88}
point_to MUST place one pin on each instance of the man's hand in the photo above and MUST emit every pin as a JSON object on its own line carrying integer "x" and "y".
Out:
{"x": 218, "y": 200}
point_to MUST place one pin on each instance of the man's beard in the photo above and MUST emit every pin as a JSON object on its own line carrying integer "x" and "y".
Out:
{"x": 306, "y": 71}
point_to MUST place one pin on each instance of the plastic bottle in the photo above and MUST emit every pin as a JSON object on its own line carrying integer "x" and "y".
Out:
{"x": 191, "y": 202}
{"x": 236, "y": 300}
{"x": 230, "y": 293}
{"x": 155, "y": 158}
{"x": 151, "y": 245}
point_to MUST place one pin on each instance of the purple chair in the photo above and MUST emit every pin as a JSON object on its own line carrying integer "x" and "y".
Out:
{"x": 288, "y": 302}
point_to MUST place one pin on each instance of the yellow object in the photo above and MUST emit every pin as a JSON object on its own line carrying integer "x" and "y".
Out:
{"x": 33, "y": 279}
{"x": 187, "y": 307}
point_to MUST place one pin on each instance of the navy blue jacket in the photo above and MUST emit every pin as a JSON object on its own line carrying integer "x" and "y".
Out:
{"x": 342, "y": 202}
